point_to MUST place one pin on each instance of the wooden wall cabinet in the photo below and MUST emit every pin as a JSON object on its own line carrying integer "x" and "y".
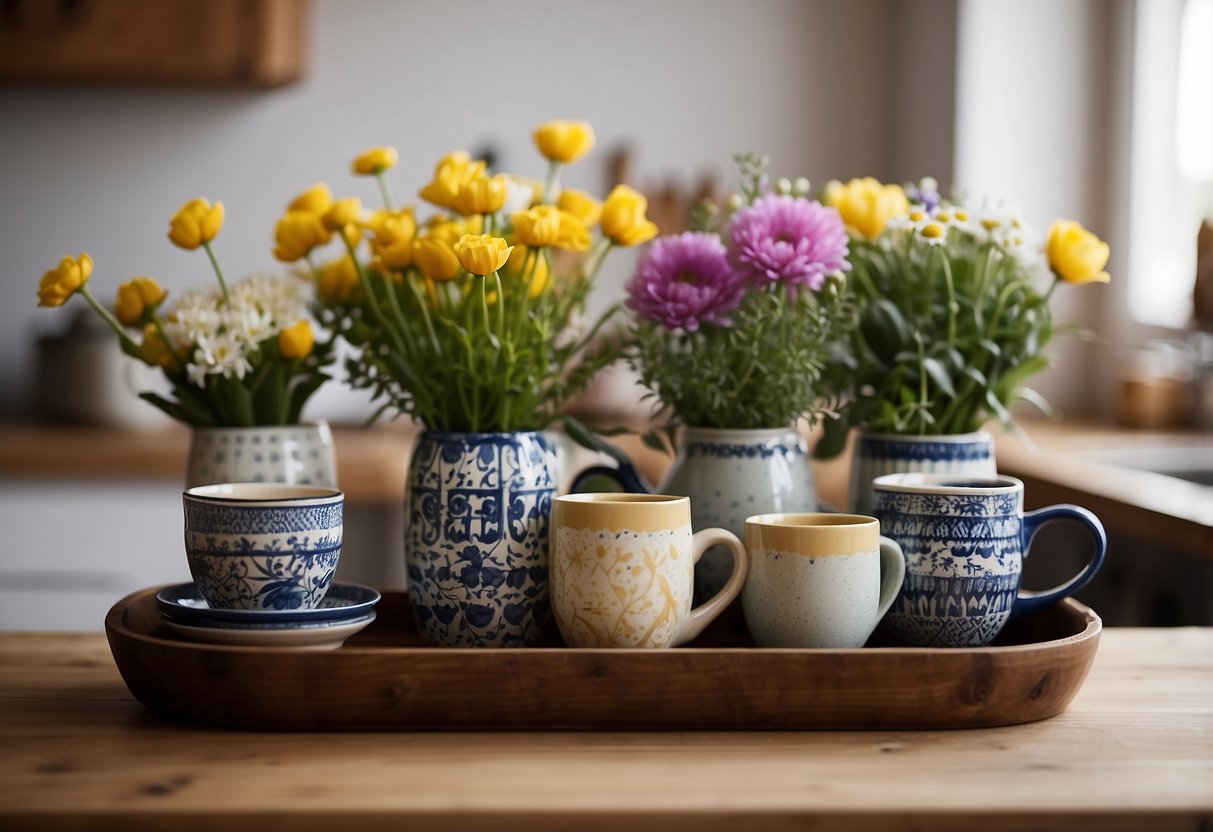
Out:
{"x": 244, "y": 43}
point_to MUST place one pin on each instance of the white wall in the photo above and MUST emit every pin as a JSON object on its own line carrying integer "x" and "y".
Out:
{"x": 686, "y": 82}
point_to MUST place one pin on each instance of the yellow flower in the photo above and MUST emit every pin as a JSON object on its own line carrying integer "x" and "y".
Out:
{"x": 375, "y": 160}
{"x": 623, "y": 220}
{"x": 297, "y": 341}
{"x": 867, "y": 205}
{"x": 63, "y": 281}
{"x": 1075, "y": 254}
{"x": 136, "y": 297}
{"x": 297, "y": 233}
{"x": 581, "y": 205}
{"x": 538, "y": 226}
{"x": 482, "y": 194}
{"x": 342, "y": 213}
{"x": 154, "y": 350}
{"x": 482, "y": 254}
{"x": 392, "y": 243}
{"x": 564, "y": 141}
{"x": 315, "y": 200}
{"x": 337, "y": 281}
{"x": 196, "y": 223}
{"x": 435, "y": 257}
{"x": 450, "y": 175}
{"x": 514, "y": 271}
{"x": 574, "y": 236}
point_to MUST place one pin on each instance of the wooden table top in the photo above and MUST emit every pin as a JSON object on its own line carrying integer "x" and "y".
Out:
{"x": 1133, "y": 751}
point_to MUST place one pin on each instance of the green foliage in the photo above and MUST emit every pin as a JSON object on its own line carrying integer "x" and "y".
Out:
{"x": 455, "y": 357}
{"x": 763, "y": 371}
{"x": 947, "y": 336}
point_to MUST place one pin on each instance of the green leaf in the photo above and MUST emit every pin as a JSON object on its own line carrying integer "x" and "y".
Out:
{"x": 655, "y": 440}
{"x": 584, "y": 437}
{"x": 939, "y": 375}
{"x": 833, "y": 439}
{"x": 997, "y": 408}
{"x": 171, "y": 408}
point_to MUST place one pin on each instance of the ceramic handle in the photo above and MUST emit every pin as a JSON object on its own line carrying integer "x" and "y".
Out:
{"x": 705, "y": 613}
{"x": 892, "y": 574}
{"x": 1027, "y": 603}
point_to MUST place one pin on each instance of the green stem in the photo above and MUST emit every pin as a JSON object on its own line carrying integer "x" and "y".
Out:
{"x": 385, "y": 190}
{"x": 425, "y": 313}
{"x": 372, "y": 301}
{"x": 109, "y": 319}
{"x": 549, "y": 185}
{"x": 500, "y": 305}
{"x": 1052, "y": 286}
{"x": 218, "y": 271}
{"x": 952, "y": 306}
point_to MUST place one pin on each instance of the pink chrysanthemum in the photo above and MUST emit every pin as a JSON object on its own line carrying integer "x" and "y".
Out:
{"x": 685, "y": 280}
{"x": 788, "y": 240}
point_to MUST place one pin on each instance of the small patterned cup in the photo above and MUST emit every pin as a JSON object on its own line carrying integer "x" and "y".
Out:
{"x": 623, "y": 567}
{"x": 818, "y": 580}
{"x": 261, "y": 546}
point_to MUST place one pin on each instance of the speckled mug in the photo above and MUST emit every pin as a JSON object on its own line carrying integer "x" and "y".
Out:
{"x": 623, "y": 567}
{"x": 818, "y": 580}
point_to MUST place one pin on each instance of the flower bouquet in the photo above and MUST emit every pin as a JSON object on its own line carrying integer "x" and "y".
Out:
{"x": 242, "y": 355}
{"x": 953, "y": 318}
{"x": 466, "y": 320}
{"x": 734, "y": 321}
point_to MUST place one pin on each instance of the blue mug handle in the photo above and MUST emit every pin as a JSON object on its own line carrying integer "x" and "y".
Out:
{"x": 625, "y": 476}
{"x": 1028, "y": 603}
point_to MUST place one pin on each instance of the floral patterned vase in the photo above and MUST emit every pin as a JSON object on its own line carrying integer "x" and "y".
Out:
{"x": 877, "y": 454}
{"x": 478, "y": 510}
{"x": 292, "y": 454}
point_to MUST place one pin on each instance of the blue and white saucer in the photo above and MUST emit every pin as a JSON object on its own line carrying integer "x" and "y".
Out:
{"x": 342, "y": 603}
{"x": 313, "y": 635}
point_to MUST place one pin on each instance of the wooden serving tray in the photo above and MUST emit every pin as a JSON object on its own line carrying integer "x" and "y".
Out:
{"x": 387, "y": 677}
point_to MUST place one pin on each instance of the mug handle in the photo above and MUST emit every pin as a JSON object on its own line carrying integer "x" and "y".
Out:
{"x": 892, "y": 574}
{"x": 705, "y": 613}
{"x": 625, "y": 476}
{"x": 1027, "y": 603}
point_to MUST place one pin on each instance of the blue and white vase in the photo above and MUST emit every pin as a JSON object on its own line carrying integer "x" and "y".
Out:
{"x": 478, "y": 510}
{"x": 292, "y": 454}
{"x": 732, "y": 474}
{"x": 877, "y": 454}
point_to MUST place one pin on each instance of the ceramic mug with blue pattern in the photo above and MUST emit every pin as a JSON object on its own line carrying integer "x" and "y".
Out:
{"x": 964, "y": 540}
{"x": 263, "y": 546}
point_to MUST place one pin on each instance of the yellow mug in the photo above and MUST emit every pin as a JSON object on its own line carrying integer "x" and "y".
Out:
{"x": 623, "y": 569}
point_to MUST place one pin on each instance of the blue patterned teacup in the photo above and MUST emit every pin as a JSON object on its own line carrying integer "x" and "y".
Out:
{"x": 263, "y": 546}
{"x": 964, "y": 540}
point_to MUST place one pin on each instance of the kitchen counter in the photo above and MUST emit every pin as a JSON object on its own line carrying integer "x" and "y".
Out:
{"x": 1133, "y": 751}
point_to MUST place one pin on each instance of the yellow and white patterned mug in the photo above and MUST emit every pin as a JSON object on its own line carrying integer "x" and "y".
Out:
{"x": 623, "y": 568}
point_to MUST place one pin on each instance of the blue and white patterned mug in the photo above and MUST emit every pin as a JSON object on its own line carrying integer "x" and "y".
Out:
{"x": 263, "y": 546}
{"x": 964, "y": 540}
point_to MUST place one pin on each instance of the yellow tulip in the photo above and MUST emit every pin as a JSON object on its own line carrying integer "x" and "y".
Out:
{"x": 337, "y": 281}
{"x": 374, "y": 161}
{"x": 482, "y": 195}
{"x": 450, "y": 175}
{"x": 482, "y": 254}
{"x": 623, "y": 220}
{"x": 435, "y": 257}
{"x": 196, "y": 223}
{"x": 342, "y": 213}
{"x": 136, "y": 297}
{"x": 315, "y": 200}
{"x": 564, "y": 141}
{"x": 538, "y": 274}
{"x": 538, "y": 226}
{"x": 154, "y": 350}
{"x": 392, "y": 243}
{"x": 63, "y": 281}
{"x": 867, "y": 205}
{"x": 297, "y": 233}
{"x": 297, "y": 341}
{"x": 581, "y": 205}
{"x": 574, "y": 236}
{"x": 1076, "y": 255}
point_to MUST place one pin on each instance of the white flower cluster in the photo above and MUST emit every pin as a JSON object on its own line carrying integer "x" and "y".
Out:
{"x": 219, "y": 337}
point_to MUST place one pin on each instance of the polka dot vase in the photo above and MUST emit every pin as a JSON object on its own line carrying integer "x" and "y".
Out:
{"x": 732, "y": 474}
{"x": 293, "y": 454}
